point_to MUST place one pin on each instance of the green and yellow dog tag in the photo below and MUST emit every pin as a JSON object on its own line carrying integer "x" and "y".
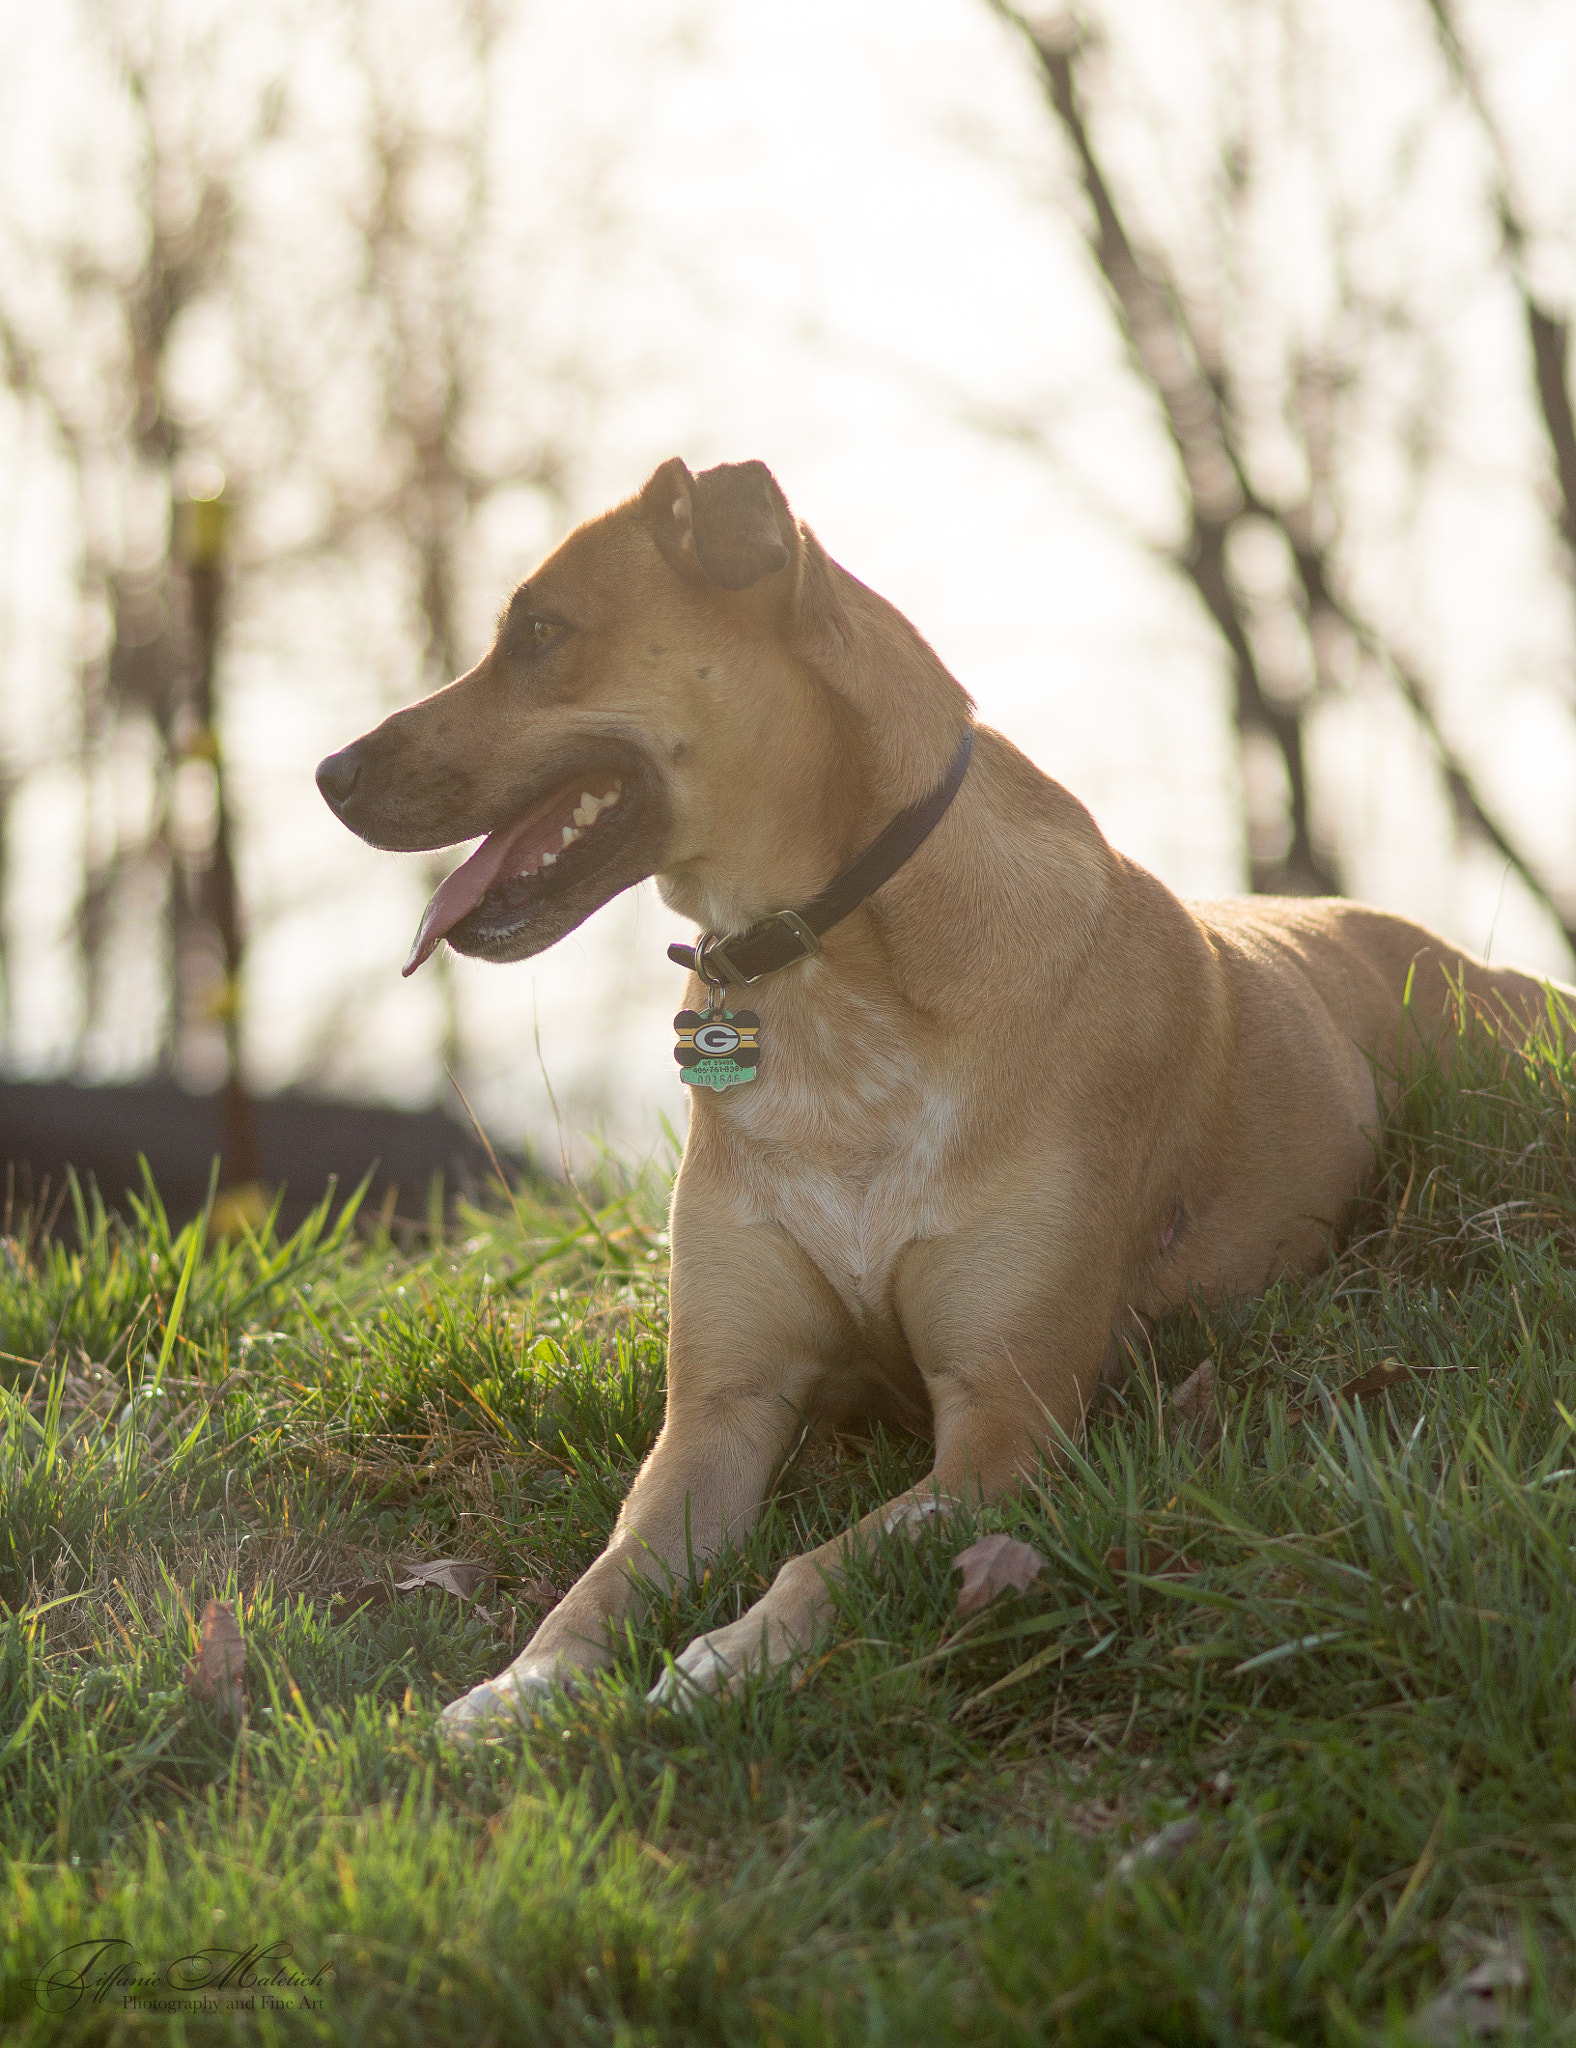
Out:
{"x": 717, "y": 1048}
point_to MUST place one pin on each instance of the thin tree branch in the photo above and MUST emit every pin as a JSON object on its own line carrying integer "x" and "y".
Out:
{"x": 1548, "y": 333}
{"x": 1165, "y": 352}
{"x": 1198, "y": 405}
{"x": 1381, "y": 650}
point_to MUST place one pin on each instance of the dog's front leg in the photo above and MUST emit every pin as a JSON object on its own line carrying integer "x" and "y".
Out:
{"x": 783, "y": 1624}
{"x": 753, "y": 1329}
{"x": 1009, "y": 1383}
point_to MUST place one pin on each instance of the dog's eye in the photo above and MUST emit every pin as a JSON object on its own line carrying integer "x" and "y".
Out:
{"x": 524, "y": 634}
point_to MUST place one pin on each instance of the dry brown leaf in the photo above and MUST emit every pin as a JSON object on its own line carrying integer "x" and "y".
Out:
{"x": 1155, "y": 1561}
{"x": 1193, "y": 1408}
{"x": 995, "y": 1564}
{"x": 370, "y": 1593}
{"x": 1389, "y": 1372}
{"x": 446, "y": 1575}
{"x": 217, "y": 1673}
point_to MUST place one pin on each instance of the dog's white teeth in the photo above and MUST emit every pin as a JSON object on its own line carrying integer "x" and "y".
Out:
{"x": 570, "y": 836}
{"x": 548, "y": 859}
{"x": 590, "y": 807}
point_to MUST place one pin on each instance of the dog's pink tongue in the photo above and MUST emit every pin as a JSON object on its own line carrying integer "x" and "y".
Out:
{"x": 460, "y": 892}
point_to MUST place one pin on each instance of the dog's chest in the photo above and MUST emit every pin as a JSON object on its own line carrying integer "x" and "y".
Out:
{"x": 849, "y": 1141}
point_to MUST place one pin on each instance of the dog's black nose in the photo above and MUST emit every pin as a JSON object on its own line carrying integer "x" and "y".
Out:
{"x": 337, "y": 777}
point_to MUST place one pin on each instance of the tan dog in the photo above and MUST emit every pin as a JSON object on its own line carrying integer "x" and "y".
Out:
{"x": 1020, "y": 1095}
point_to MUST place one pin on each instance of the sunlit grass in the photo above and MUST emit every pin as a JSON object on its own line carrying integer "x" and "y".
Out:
{"x": 1333, "y": 1655}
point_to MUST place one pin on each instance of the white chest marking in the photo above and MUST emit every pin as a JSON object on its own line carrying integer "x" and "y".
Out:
{"x": 853, "y": 1155}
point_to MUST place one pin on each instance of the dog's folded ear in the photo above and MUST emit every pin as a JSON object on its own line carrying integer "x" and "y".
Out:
{"x": 730, "y": 524}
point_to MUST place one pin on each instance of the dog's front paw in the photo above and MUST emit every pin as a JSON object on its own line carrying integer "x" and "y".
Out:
{"x": 705, "y": 1670}
{"x": 720, "y": 1662}
{"x": 493, "y": 1708}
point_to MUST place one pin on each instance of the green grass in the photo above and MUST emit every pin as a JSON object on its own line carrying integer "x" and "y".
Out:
{"x": 1356, "y": 1701}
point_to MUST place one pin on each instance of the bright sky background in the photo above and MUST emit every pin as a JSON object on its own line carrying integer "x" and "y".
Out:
{"x": 841, "y": 244}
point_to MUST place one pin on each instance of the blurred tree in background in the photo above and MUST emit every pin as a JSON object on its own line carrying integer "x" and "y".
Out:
{"x": 1262, "y": 262}
{"x": 99, "y": 296}
{"x": 317, "y": 323}
{"x": 268, "y": 306}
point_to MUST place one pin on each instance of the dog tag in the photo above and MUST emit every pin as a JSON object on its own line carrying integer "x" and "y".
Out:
{"x": 717, "y": 1048}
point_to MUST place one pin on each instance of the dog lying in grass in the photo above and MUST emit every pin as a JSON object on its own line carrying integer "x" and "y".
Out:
{"x": 972, "y": 1092}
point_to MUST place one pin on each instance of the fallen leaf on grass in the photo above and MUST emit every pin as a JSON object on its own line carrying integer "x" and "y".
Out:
{"x": 1389, "y": 1372}
{"x": 1472, "y": 2009}
{"x": 995, "y": 1564}
{"x": 1193, "y": 1407}
{"x": 1155, "y": 1561}
{"x": 441, "y": 1575}
{"x": 447, "y": 1575}
{"x": 370, "y": 1593}
{"x": 217, "y": 1672}
{"x": 1368, "y": 1386}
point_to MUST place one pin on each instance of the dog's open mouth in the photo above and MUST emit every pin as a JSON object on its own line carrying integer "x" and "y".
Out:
{"x": 526, "y": 850}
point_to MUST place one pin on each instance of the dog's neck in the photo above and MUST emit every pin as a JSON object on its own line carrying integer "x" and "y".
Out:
{"x": 790, "y": 935}
{"x": 1008, "y": 892}
{"x": 970, "y": 897}
{"x": 816, "y": 855}
{"x": 854, "y": 719}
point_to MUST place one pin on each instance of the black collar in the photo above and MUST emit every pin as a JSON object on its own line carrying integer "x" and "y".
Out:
{"x": 789, "y": 935}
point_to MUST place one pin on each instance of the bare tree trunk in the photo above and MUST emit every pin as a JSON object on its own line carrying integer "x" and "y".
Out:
{"x": 218, "y": 896}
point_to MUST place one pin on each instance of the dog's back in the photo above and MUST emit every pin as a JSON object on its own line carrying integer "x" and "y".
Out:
{"x": 1329, "y": 1000}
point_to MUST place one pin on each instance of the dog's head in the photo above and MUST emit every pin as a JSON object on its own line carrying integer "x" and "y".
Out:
{"x": 669, "y": 694}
